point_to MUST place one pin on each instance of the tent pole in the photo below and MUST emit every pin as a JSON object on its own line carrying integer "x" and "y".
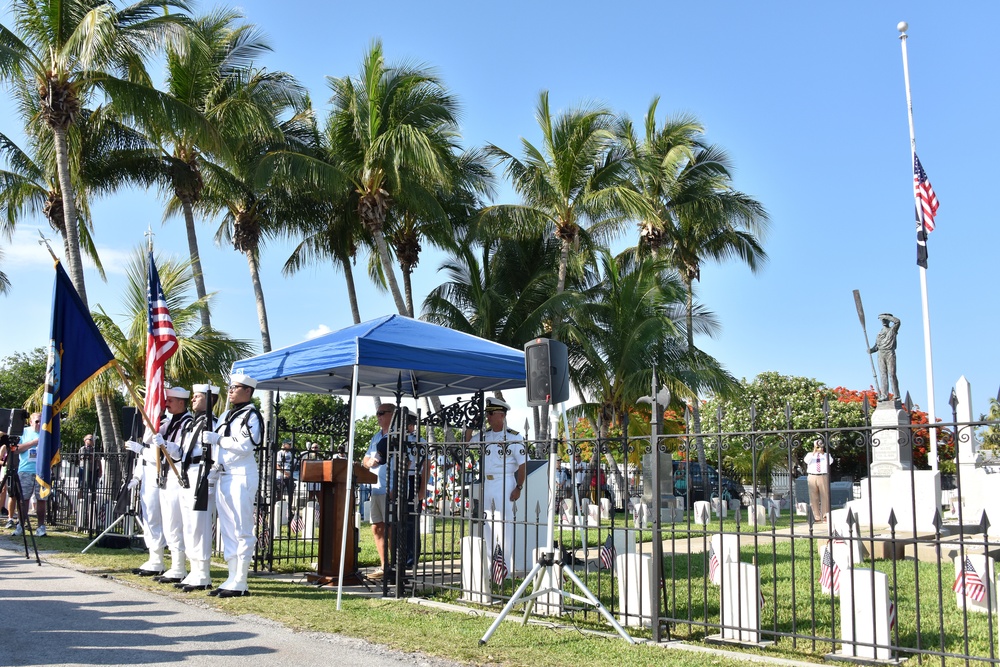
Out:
{"x": 350, "y": 483}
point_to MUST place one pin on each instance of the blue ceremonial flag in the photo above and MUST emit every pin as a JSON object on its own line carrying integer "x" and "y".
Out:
{"x": 77, "y": 352}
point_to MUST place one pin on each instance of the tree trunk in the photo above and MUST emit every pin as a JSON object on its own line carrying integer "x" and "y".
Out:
{"x": 199, "y": 277}
{"x": 267, "y": 398}
{"x": 352, "y": 293}
{"x": 408, "y": 288}
{"x": 390, "y": 275}
{"x": 699, "y": 442}
{"x": 72, "y": 232}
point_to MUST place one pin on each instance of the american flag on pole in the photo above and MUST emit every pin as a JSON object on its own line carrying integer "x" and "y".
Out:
{"x": 829, "y": 578}
{"x": 892, "y": 614}
{"x": 608, "y": 554}
{"x": 968, "y": 580}
{"x": 927, "y": 201}
{"x": 713, "y": 563}
{"x": 295, "y": 525}
{"x": 499, "y": 566}
{"x": 161, "y": 343}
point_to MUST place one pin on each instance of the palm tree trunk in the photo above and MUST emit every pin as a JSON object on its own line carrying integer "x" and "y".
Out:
{"x": 71, "y": 231}
{"x": 106, "y": 422}
{"x": 699, "y": 442}
{"x": 408, "y": 288}
{"x": 390, "y": 275}
{"x": 266, "y": 399}
{"x": 352, "y": 292}
{"x": 199, "y": 277}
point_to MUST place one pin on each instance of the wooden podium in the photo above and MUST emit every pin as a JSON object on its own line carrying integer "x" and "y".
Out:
{"x": 332, "y": 476}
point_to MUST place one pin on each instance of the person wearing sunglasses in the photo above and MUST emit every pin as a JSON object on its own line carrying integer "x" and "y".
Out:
{"x": 504, "y": 471}
{"x": 374, "y": 460}
{"x": 239, "y": 432}
{"x": 27, "y": 451}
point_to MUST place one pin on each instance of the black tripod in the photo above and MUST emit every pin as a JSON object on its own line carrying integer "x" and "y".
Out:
{"x": 12, "y": 483}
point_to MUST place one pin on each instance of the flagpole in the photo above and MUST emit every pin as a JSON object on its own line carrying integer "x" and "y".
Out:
{"x": 928, "y": 357}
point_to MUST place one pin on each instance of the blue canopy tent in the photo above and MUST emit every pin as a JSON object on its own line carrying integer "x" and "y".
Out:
{"x": 430, "y": 360}
{"x": 380, "y": 357}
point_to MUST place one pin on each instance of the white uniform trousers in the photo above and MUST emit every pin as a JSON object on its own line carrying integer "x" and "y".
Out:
{"x": 497, "y": 509}
{"x": 198, "y": 526}
{"x": 170, "y": 511}
{"x": 235, "y": 495}
{"x": 149, "y": 497}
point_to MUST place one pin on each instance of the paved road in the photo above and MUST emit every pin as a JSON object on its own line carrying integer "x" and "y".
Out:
{"x": 51, "y": 615}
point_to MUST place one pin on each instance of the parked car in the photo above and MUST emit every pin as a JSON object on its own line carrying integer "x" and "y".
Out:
{"x": 698, "y": 486}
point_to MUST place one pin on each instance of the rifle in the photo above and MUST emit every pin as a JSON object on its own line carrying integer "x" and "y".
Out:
{"x": 201, "y": 491}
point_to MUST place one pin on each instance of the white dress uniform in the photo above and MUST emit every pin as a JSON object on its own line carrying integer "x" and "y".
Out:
{"x": 503, "y": 454}
{"x": 198, "y": 525}
{"x": 170, "y": 503}
{"x": 149, "y": 492}
{"x": 241, "y": 430}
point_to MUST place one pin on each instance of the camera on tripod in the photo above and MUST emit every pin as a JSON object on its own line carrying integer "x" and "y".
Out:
{"x": 12, "y": 421}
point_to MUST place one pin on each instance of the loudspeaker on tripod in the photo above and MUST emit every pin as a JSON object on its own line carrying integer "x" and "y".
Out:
{"x": 546, "y": 365}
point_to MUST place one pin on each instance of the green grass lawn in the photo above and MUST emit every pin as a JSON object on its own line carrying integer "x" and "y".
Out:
{"x": 802, "y": 610}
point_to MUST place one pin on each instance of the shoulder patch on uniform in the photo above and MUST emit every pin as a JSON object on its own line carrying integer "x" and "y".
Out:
{"x": 510, "y": 430}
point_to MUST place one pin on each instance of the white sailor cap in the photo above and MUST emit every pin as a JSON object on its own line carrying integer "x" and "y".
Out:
{"x": 493, "y": 403}
{"x": 239, "y": 377}
{"x": 203, "y": 389}
{"x": 178, "y": 392}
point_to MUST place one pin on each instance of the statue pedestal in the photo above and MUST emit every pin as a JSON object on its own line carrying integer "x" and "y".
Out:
{"x": 892, "y": 439}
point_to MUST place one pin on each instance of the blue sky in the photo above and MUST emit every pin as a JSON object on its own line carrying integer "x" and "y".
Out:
{"x": 807, "y": 98}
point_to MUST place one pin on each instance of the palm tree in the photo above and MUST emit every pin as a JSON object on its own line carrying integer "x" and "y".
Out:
{"x": 68, "y": 52}
{"x": 217, "y": 46}
{"x": 502, "y": 291}
{"x": 694, "y": 214}
{"x": 394, "y": 129}
{"x": 626, "y": 323}
{"x": 29, "y": 183}
{"x": 573, "y": 186}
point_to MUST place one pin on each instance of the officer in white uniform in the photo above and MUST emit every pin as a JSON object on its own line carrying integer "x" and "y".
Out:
{"x": 198, "y": 524}
{"x": 240, "y": 430}
{"x": 504, "y": 469}
{"x": 144, "y": 476}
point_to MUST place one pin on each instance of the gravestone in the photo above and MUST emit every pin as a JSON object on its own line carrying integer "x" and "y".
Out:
{"x": 635, "y": 589}
{"x": 741, "y": 603}
{"x": 890, "y": 430}
{"x": 865, "y": 615}
{"x": 475, "y": 571}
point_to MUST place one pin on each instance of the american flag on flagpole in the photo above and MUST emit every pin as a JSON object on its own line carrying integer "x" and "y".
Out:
{"x": 499, "y": 568}
{"x": 713, "y": 563}
{"x": 161, "y": 343}
{"x": 927, "y": 201}
{"x": 829, "y": 578}
{"x": 968, "y": 580}
{"x": 608, "y": 554}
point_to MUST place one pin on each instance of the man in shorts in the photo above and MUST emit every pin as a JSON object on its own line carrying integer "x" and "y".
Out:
{"x": 27, "y": 450}
{"x": 375, "y": 461}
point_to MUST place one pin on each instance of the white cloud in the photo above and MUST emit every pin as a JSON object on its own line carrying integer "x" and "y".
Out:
{"x": 321, "y": 330}
{"x": 25, "y": 251}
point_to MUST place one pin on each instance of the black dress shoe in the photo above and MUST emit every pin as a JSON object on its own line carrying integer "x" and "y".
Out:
{"x": 227, "y": 593}
{"x": 215, "y": 593}
{"x": 147, "y": 573}
{"x": 187, "y": 588}
{"x": 168, "y": 580}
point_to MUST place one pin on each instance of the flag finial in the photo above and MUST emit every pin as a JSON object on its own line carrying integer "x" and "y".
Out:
{"x": 45, "y": 242}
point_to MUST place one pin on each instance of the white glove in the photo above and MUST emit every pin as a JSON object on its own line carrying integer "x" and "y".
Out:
{"x": 133, "y": 446}
{"x": 158, "y": 440}
{"x": 173, "y": 450}
{"x": 209, "y": 438}
{"x": 213, "y": 475}
{"x": 133, "y": 483}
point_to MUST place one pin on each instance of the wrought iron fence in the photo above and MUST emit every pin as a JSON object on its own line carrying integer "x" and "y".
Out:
{"x": 904, "y": 565}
